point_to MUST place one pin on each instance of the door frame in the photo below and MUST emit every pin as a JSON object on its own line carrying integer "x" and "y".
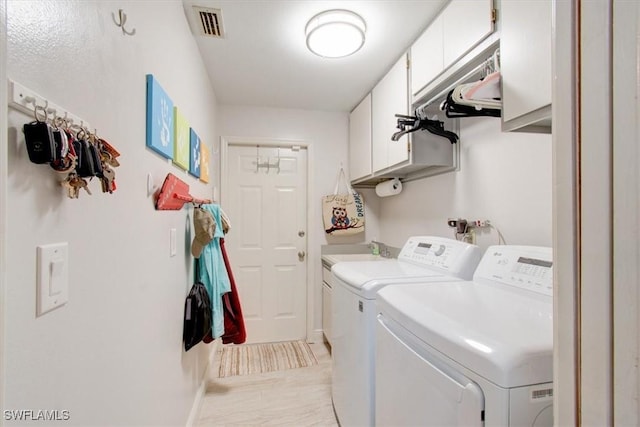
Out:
{"x": 595, "y": 133}
{"x": 626, "y": 211}
{"x": 225, "y": 142}
{"x": 566, "y": 208}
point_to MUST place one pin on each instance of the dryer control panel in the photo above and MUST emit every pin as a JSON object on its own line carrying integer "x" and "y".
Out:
{"x": 524, "y": 267}
{"x": 449, "y": 255}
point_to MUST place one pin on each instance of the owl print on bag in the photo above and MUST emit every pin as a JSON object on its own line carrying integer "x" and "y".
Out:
{"x": 340, "y": 220}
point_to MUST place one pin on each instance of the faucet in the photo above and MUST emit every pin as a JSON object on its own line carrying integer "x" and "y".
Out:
{"x": 383, "y": 249}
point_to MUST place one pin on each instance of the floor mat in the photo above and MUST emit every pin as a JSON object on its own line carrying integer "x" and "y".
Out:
{"x": 260, "y": 358}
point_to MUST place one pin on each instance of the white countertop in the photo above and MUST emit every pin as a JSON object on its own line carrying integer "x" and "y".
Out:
{"x": 329, "y": 260}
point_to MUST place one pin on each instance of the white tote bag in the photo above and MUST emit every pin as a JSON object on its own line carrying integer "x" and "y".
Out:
{"x": 343, "y": 213}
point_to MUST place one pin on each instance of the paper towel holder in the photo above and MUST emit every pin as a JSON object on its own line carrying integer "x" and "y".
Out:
{"x": 389, "y": 187}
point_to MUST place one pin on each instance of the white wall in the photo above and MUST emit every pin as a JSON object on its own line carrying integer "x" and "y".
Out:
{"x": 113, "y": 355}
{"x": 504, "y": 177}
{"x": 328, "y": 132}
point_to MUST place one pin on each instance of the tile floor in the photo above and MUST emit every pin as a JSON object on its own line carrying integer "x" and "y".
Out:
{"x": 295, "y": 397}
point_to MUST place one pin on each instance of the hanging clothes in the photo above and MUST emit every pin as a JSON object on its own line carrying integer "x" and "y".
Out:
{"x": 480, "y": 98}
{"x": 213, "y": 273}
{"x": 486, "y": 89}
{"x": 197, "y": 315}
{"x": 226, "y": 222}
{"x": 234, "y": 330}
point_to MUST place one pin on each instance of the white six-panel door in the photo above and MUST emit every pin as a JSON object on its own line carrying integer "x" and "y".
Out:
{"x": 265, "y": 198}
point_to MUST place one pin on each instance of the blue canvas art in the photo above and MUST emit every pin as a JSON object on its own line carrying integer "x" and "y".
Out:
{"x": 194, "y": 156}
{"x": 159, "y": 119}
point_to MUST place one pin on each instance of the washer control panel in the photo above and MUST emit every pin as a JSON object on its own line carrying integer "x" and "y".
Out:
{"x": 447, "y": 254}
{"x": 524, "y": 267}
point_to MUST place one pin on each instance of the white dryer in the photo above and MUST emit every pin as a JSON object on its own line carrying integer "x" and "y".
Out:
{"x": 355, "y": 284}
{"x": 470, "y": 353}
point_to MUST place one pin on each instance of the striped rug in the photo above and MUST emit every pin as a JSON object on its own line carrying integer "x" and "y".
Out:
{"x": 260, "y": 358}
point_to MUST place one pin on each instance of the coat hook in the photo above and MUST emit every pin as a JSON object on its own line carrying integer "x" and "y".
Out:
{"x": 122, "y": 18}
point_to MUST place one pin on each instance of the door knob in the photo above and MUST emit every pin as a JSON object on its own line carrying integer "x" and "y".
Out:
{"x": 301, "y": 233}
{"x": 301, "y": 255}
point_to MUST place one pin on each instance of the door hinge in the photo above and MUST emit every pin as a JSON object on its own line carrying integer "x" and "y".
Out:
{"x": 408, "y": 147}
{"x": 408, "y": 63}
{"x": 494, "y": 15}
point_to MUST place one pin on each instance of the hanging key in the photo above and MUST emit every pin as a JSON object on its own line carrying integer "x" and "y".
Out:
{"x": 83, "y": 184}
{"x": 110, "y": 149}
{"x": 108, "y": 175}
{"x": 69, "y": 187}
{"x": 76, "y": 183}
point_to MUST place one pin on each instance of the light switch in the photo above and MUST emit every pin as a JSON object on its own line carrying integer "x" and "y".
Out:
{"x": 56, "y": 273}
{"x": 52, "y": 277}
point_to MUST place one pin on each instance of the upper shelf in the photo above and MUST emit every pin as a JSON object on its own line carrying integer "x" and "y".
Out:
{"x": 469, "y": 68}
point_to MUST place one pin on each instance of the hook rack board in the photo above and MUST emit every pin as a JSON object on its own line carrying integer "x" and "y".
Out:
{"x": 24, "y": 99}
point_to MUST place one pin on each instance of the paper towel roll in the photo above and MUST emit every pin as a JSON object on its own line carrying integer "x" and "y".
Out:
{"x": 389, "y": 188}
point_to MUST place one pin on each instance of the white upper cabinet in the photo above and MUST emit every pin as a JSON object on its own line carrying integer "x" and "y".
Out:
{"x": 427, "y": 56}
{"x": 389, "y": 97}
{"x": 462, "y": 32}
{"x": 525, "y": 64}
{"x": 465, "y": 24}
{"x": 460, "y": 26}
{"x": 360, "y": 140}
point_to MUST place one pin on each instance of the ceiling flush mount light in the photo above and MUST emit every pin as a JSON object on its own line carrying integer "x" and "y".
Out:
{"x": 335, "y": 33}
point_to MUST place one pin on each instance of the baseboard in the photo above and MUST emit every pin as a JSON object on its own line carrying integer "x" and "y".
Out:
{"x": 197, "y": 404}
{"x": 202, "y": 388}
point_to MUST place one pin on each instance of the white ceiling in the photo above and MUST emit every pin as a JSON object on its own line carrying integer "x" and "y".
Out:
{"x": 264, "y": 61}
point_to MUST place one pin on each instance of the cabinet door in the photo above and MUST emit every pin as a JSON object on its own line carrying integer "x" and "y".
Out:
{"x": 466, "y": 23}
{"x": 326, "y": 311}
{"x": 427, "y": 55}
{"x": 360, "y": 140}
{"x": 389, "y": 97}
{"x": 525, "y": 56}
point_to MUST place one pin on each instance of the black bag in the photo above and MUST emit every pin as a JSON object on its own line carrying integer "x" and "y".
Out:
{"x": 197, "y": 315}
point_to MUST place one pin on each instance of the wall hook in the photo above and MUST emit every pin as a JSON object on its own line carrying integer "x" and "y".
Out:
{"x": 122, "y": 20}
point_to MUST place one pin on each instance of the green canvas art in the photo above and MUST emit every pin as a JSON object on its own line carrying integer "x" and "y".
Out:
{"x": 181, "y": 145}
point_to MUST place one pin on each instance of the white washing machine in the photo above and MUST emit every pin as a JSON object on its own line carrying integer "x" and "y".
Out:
{"x": 471, "y": 353}
{"x": 355, "y": 284}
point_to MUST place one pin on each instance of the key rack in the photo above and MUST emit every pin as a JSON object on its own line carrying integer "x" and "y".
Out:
{"x": 26, "y": 100}
{"x": 174, "y": 194}
{"x": 62, "y": 140}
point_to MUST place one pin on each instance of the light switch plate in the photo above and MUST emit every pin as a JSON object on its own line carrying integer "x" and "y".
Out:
{"x": 52, "y": 277}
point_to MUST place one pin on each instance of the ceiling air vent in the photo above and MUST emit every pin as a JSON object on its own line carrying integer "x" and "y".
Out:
{"x": 210, "y": 21}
